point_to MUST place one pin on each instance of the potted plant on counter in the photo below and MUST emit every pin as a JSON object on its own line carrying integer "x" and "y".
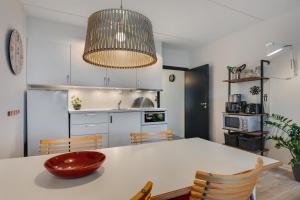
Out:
{"x": 287, "y": 136}
{"x": 76, "y": 102}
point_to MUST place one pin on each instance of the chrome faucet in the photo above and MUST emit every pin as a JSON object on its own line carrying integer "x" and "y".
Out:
{"x": 119, "y": 104}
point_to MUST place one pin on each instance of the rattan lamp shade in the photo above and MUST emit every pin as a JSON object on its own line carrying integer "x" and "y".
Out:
{"x": 119, "y": 38}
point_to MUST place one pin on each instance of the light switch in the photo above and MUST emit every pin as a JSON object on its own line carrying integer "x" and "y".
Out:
{"x": 12, "y": 113}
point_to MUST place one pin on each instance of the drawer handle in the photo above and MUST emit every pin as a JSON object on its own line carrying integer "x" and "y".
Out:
{"x": 90, "y": 125}
{"x": 91, "y": 114}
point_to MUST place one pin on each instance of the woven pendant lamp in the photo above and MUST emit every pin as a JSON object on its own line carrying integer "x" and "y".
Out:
{"x": 119, "y": 38}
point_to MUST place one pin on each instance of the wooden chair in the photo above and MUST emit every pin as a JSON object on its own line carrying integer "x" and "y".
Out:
{"x": 140, "y": 138}
{"x": 50, "y": 146}
{"x": 225, "y": 187}
{"x": 145, "y": 193}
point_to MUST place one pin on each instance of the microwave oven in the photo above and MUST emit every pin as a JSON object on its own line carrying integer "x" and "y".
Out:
{"x": 241, "y": 123}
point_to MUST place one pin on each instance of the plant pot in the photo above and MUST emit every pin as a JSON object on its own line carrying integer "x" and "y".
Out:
{"x": 77, "y": 107}
{"x": 296, "y": 172}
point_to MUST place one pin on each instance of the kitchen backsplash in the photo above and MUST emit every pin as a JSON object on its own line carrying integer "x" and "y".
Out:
{"x": 108, "y": 99}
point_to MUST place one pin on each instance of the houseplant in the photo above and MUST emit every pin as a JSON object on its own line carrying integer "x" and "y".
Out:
{"x": 76, "y": 102}
{"x": 287, "y": 135}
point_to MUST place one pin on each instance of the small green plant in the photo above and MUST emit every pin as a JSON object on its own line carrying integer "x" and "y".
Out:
{"x": 287, "y": 136}
{"x": 76, "y": 102}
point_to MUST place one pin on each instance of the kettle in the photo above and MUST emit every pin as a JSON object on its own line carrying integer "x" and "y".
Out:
{"x": 236, "y": 98}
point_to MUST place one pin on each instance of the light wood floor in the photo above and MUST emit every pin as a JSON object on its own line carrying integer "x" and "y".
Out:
{"x": 278, "y": 184}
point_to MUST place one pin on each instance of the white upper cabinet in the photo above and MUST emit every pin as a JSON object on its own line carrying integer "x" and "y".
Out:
{"x": 52, "y": 63}
{"x": 48, "y": 63}
{"x": 121, "y": 78}
{"x": 82, "y": 73}
{"x": 151, "y": 77}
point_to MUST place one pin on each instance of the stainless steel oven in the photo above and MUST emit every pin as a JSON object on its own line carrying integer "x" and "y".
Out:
{"x": 154, "y": 117}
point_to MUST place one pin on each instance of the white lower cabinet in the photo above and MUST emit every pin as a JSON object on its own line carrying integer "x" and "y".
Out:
{"x": 113, "y": 127}
{"x": 154, "y": 128}
{"x": 86, "y": 124}
{"x": 88, "y": 129}
{"x": 121, "y": 125}
{"x": 89, "y": 118}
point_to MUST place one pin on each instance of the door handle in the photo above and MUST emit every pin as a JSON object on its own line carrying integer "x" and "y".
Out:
{"x": 203, "y": 104}
{"x": 111, "y": 119}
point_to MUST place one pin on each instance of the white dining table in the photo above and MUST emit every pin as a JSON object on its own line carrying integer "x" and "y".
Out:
{"x": 170, "y": 165}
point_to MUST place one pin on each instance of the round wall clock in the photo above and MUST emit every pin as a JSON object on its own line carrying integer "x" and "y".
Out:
{"x": 16, "y": 54}
{"x": 172, "y": 78}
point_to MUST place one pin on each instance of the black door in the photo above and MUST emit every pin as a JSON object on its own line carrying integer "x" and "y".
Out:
{"x": 197, "y": 102}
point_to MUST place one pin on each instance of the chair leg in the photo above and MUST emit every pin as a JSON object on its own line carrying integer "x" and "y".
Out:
{"x": 253, "y": 195}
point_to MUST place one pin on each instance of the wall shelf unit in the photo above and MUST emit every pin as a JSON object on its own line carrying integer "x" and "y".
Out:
{"x": 246, "y": 114}
{"x": 261, "y": 133}
{"x": 255, "y": 133}
{"x": 246, "y": 79}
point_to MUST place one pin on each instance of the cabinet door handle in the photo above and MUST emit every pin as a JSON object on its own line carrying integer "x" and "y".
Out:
{"x": 108, "y": 80}
{"x": 91, "y": 114}
{"x": 111, "y": 119}
{"x": 90, "y": 125}
{"x": 68, "y": 78}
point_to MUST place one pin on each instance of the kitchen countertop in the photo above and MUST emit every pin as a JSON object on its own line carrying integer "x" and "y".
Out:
{"x": 117, "y": 110}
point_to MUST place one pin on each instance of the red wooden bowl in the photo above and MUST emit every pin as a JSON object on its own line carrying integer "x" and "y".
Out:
{"x": 74, "y": 164}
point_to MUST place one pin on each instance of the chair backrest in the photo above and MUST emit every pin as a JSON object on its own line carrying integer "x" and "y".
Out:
{"x": 145, "y": 193}
{"x": 139, "y": 138}
{"x": 225, "y": 187}
{"x": 49, "y": 146}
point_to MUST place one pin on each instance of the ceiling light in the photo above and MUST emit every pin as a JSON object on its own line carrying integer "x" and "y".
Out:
{"x": 274, "y": 48}
{"x": 274, "y": 52}
{"x": 119, "y": 38}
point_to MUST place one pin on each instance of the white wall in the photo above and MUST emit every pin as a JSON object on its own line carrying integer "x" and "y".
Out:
{"x": 173, "y": 94}
{"x": 53, "y": 31}
{"x": 172, "y": 98}
{"x": 248, "y": 46}
{"x": 175, "y": 56}
{"x": 11, "y": 87}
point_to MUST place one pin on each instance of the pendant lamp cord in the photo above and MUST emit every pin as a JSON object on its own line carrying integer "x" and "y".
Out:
{"x": 121, "y": 4}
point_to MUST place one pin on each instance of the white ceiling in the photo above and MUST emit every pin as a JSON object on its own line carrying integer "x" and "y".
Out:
{"x": 177, "y": 22}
